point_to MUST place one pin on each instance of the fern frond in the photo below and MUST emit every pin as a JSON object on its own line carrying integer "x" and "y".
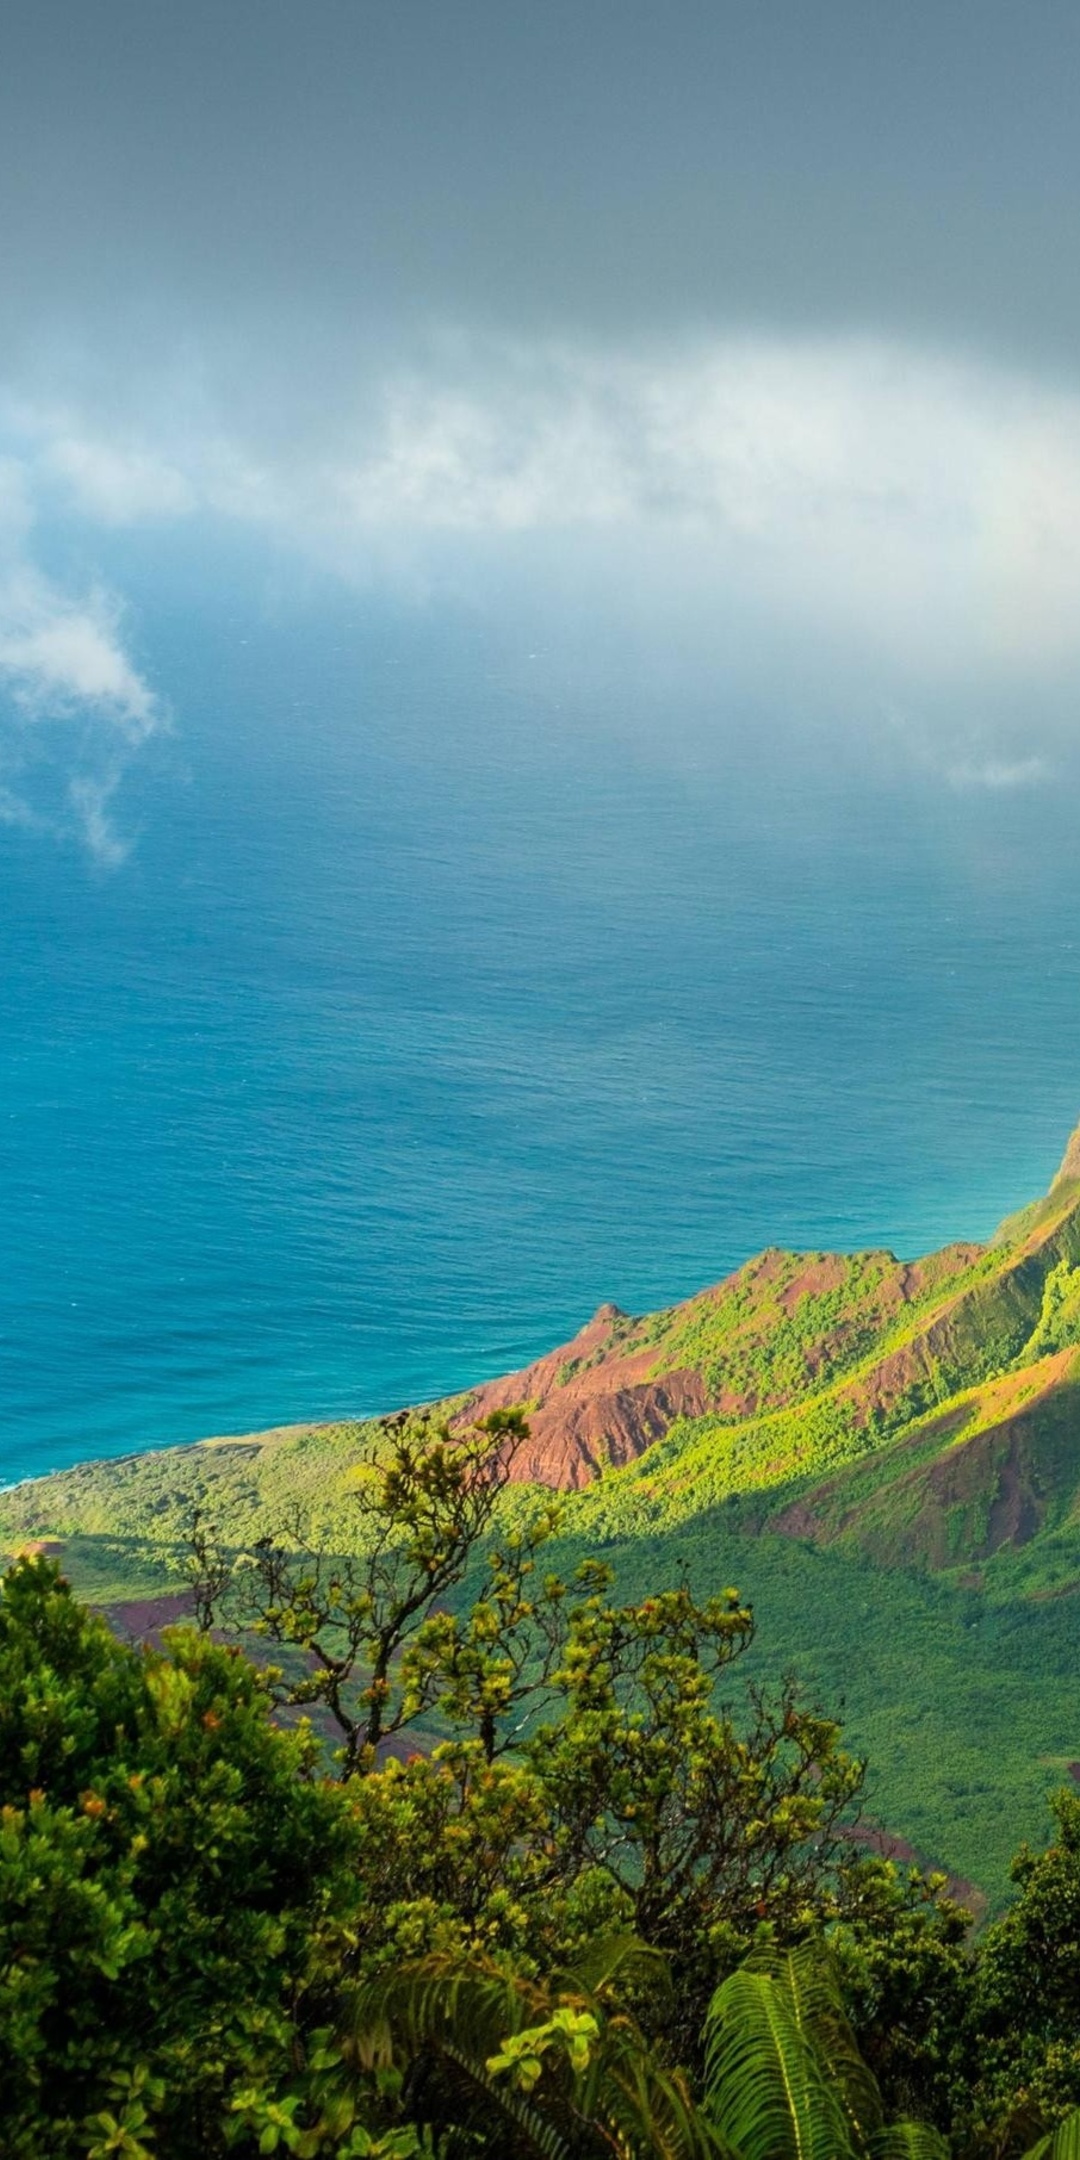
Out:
{"x": 1061, "y": 2144}
{"x": 915, "y": 2141}
{"x": 612, "y": 1957}
{"x": 651, "y": 2112}
{"x": 809, "y": 1976}
{"x": 427, "y": 2004}
{"x": 446, "y": 2024}
{"x": 768, "y": 2091}
{"x": 481, "y": 2105}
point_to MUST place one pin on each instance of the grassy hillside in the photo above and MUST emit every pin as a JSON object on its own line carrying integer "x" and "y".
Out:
{"x": 968, "y": 1709}
{"x": 884, "y": 1456}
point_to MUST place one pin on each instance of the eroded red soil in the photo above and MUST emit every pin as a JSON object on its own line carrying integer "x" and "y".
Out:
{"x": 589, "y": 1405}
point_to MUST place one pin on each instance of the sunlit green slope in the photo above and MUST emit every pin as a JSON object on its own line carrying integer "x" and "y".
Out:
{"x": 885, "y": 1456}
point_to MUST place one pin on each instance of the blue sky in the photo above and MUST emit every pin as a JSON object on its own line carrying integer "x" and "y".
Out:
{"x": 751, "y": 329}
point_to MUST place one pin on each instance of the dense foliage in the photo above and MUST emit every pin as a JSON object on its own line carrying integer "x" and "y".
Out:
{"x": 176, "y": 1883}
{"x": 884, "y": 1461}
{"x": 550, "y": 1897}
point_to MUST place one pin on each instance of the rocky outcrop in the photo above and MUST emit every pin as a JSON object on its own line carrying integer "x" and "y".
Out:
{"x": 591, "y": 1403}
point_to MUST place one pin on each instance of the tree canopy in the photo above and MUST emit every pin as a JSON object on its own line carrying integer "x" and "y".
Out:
{"x": 483, "y": 1847}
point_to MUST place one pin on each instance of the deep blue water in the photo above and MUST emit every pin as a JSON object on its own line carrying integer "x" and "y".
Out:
{"x": 447, "y": 993}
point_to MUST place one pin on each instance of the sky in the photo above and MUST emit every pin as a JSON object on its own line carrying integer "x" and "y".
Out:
{"x": 756, "y": 329}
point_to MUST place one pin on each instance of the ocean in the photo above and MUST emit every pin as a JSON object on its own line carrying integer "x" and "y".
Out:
{"x": 448, "y": 990}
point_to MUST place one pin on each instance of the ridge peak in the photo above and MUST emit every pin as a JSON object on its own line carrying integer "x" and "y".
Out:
{"x": 1070, "y": 1162}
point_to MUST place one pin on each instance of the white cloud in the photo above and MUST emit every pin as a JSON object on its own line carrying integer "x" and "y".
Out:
{"x": 547, "y": 455}
{"x": 91, "y": 803}
{"x": 927, "y": 506}
{"x": 16, "y": 506}
{"x": 74, "y": 708}
{"x": 59, "y": 656}
{"x": 915, "y": 513}
{"x": 119, "y": 485}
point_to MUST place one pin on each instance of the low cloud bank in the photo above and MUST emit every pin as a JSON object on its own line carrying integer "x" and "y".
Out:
{"x": 916, "y": 511}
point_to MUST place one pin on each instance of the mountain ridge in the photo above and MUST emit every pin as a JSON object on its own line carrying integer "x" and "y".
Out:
{"x": 818, "y": 1361}
{"x": 827, "y": 1380}
{"x": 883, "y": 1454}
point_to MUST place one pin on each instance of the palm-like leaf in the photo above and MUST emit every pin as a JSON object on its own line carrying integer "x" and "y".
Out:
{"x": 437, "y": 2000}
{"x": 767, "y": 2089}
{"x": 784, "y": 2076}
{"x": 808, "y": 1977}
{"x": 1061, "y": 2144}
{"x": 616, "y": 1957}
{"x": 912, "y": 2141}
{"x": 445, "y": 2022}
{"x": 648, "y": 2112}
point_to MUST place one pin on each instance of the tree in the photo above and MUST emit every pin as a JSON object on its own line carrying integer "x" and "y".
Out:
{"x": 189, "y": 1900}
{"x": 579, "y": 1774}
{"x": 354, "y": 1624}
{"x": 177, "y": 1893}
{"x": 708, "y": 1825}
{"x": 1024, "y": 2028}
{"x": 906, "y": 1967}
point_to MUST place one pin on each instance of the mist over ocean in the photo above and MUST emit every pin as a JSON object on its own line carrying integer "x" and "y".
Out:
{"x": 448, "y": 990}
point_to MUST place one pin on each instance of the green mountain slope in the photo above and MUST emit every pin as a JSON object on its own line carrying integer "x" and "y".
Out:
{"x": 884, "y": 1455}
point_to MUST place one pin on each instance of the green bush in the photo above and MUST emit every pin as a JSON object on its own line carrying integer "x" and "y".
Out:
{"x": 176, "y": 1886}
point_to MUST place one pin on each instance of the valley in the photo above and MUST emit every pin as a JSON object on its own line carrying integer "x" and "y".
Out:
{"x": 884, "y": 1456}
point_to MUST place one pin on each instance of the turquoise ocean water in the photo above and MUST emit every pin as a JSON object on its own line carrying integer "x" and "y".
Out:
{"x": 443, "y": 996}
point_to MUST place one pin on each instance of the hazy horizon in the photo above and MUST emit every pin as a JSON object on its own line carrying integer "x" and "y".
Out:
{"x": 749, "y": 334}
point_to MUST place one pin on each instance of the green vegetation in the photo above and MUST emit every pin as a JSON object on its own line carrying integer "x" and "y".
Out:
{"x": 563, "y": 2068}
{"x": 888, "y": 1466}
{"x": 190, "y": 1899}
{"x": 1059, "y": 1320}
{"x": 549, "y": 1899}
{"x": 174, "y": 1882}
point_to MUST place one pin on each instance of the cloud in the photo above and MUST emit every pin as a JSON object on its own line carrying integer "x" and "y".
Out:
{"x": 74, "y": 709}
{"x": 91, "y": 802}
{"x": 60, "y": 657}
{"x": 998, "y": 775}
{"x": 847, "y": 503}
{"x": 926, "y": 507}
{"x": 118, "y": 485}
